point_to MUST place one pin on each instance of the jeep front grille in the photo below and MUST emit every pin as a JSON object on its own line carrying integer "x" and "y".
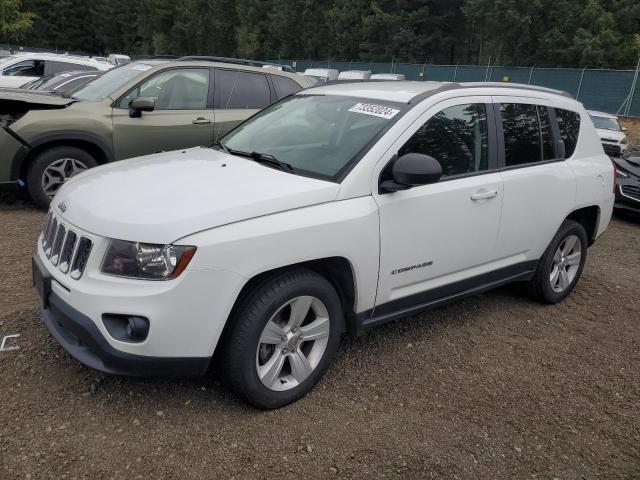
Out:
{"x": 65, "y": 248}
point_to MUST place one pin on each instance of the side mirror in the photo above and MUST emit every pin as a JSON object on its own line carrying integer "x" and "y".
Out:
{"x": 141, "y": 104}
{"x": 412, "y": 170}
{"x": 624, "y": 129}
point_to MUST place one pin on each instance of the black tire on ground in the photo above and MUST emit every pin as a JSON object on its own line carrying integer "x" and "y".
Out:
{"x": 539, "y": 287}
{"x": 239, "y": 351}
{"x": 46, "y": 158}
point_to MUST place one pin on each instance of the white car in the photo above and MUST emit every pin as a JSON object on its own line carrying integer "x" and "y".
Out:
{"x": 16, "y": 70}
{"x": 335, "y": 210}
{"x": 322, "y": 75}
{"x": 354, "y": 75}
{"x": 612, "y": 134}
{"x": 387, "y": 76}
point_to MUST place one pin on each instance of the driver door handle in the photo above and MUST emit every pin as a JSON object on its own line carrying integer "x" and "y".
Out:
{"x": 484, "y": 195}
{"x": 202, "y": 121}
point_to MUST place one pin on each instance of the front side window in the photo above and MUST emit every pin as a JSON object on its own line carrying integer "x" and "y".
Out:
{"x": 179, "y": 89}
{"x": 318, "y": 135}
{"x": 569, "y": 125}
{"x": 456, "y": 137}
{"x": 241, "y": 90}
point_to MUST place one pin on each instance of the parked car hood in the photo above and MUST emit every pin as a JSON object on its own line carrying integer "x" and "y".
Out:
{"x": 33, "y": 98}
{"x": 629, "y": 163}
{"x": 163, "y": 197}
{"x": 611, "y": 135}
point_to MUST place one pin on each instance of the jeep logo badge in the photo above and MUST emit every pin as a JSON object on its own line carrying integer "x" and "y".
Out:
{"x": 62, "y": 206}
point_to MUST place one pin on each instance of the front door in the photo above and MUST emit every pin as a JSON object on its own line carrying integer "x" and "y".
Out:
{"x": 182, "y": 117}
{"x": 438, "y": 240}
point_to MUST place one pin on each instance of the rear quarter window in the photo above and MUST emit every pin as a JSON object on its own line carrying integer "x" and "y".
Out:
{"x": 284, "y": 86}
{"x": 569, "y": 126}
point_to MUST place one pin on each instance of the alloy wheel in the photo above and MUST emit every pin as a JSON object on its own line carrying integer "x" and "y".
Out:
{"x": 292, "y": 343}
{"x": 566, "y": 262}
{"x": 59, "y": 172}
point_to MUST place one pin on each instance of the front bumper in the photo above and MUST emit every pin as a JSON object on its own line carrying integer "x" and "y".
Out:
{"x": 186, "y": 316}
{"x": 11, "y": 151}
{"x": 80, "y": 337}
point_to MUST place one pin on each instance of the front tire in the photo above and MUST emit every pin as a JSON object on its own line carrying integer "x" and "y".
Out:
{"x": 282, "y": 338}
{"x": 52, "y": 168}
{"x": 561, "y": 265}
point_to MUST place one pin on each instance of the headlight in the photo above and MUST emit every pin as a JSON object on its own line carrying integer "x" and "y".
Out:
{"x": 624, "y": 141}
{"x": 146, "y": 260}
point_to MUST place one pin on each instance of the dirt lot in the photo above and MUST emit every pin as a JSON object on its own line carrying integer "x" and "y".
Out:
{"x": 492, "y": 387}
{"x": 633, "y": 129}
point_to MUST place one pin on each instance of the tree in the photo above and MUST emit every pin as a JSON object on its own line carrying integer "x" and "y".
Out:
{"x": 14, "y": 22}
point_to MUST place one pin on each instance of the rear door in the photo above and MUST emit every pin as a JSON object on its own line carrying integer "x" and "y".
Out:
{"x": 183, "y": 115}
{"x": 238, "y": 95}
{"x": 539, "y": 186}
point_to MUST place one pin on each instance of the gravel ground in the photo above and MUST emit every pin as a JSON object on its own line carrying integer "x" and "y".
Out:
{"x": 494, "y": 386}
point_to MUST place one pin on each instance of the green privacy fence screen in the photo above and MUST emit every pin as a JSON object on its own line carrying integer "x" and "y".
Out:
{"x": 606, "y": 90}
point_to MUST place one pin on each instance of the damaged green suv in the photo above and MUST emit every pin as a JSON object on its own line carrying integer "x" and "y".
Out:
{"x": 137, "y": 109}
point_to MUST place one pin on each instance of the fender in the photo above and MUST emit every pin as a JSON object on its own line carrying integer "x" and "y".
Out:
{"x": 49, "y": 137}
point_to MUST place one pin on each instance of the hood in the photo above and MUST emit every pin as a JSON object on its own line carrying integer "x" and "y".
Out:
{"x": 163, "y": 197}
{"x": 33, "y": 98}
{"x": 629, "y": 163}
{"x": 611, "y": 135}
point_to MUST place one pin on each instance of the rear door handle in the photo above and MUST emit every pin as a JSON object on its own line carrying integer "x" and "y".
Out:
{"x": 484, "y": 195}
{"x": 202, "y": 121}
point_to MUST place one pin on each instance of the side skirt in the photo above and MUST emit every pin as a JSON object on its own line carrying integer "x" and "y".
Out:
{"x": 430, "y": 299}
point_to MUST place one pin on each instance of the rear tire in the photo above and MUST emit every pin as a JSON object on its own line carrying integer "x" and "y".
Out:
{"x": 561, "y": 265}
{"x": 52, "y": 168}
{"x": 282, "y": 338}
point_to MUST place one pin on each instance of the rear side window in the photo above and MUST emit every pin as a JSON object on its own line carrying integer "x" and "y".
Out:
{"x": 528, "y": 137}
{"x": 569, "y": 125}
{"x": 241, "y": 90}
{"x": 284, "y": 86}
{"x": 456, "y": 137}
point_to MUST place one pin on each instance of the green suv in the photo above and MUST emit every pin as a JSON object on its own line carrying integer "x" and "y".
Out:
{"x": 136, "y": 109}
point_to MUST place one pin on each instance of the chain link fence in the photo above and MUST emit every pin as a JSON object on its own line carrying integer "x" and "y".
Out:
{"x": 611, "y": 91}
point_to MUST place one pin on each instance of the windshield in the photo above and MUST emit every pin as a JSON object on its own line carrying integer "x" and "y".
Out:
{"x": 109, "y": 82}
{"x": 320, "y": 135}
{"x": 605, "y": 123}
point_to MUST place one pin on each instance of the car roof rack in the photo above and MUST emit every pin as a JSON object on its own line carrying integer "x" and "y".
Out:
{"x": 521, "y": 86}
{"x": 235, "y": 61}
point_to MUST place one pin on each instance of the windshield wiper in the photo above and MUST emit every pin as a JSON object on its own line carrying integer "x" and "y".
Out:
{"x": 271, "y": 161}
{"x": 263, "y": 158}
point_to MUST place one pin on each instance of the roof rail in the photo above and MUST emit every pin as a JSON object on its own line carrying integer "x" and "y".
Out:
{"x": 235, "y": 61}
{"x": 522, "y": 86}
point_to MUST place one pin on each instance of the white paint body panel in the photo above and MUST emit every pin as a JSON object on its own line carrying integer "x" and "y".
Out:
{"x": 246, "y": 219}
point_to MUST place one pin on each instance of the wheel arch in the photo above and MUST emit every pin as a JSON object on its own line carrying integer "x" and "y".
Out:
{"x": 589, "y": 218}
{"x": 337, "y": 270}
{"x": 92, "y": 144}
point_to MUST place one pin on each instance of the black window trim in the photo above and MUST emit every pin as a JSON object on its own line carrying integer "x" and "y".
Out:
{"x": 502, "y": 167}
{"x": 116, "y": 103}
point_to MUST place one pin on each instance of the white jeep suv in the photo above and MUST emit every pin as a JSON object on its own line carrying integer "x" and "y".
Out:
{"x": 334, "y": 210}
